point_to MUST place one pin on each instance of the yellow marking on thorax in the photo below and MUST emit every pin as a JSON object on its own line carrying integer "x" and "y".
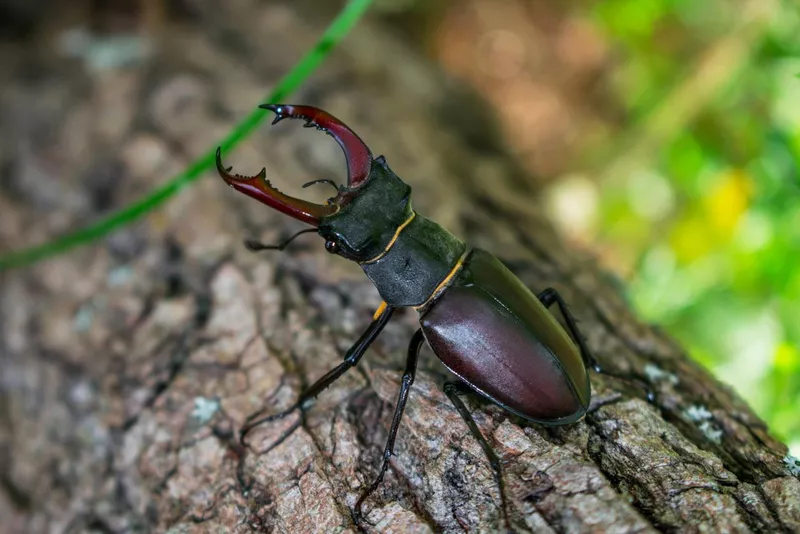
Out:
{"x": 394, "y": 238}
{"x": 446, "y": 282}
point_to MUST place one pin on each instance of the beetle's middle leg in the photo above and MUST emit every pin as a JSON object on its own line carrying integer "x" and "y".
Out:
{"x": 454, "y": 390}
{"x": 405, "y": 387}
{"x": 350, "y": 360}
{"x": 550, "y": 296}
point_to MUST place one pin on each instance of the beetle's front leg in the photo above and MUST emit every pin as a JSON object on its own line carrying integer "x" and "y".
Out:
{"x": 351, "y": 358}
{"x": 405, "y": 387}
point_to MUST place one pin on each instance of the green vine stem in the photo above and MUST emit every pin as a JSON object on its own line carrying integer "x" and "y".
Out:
{"x": 338, "y": 29}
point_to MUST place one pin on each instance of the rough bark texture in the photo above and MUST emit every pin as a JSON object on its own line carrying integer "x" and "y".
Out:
{"x": 129, "y": 367}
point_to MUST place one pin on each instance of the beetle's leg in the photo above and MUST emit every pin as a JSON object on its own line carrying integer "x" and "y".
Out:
{"x": 405, "y": 387}
{"x": 454, "y": 390}
{"x": 256, "y": 246}
{"x": 550, "y": 296}
{"x": 351, "y": 359}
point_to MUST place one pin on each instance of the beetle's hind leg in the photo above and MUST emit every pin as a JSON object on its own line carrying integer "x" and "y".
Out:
{"x": 454, "y": 390}
{"x": 550, "y": 296}
{"x": 350, "y": 360}
{"x": 405, "y": 387}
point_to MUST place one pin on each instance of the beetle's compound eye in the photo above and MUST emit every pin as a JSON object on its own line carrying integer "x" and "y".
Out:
{"x": 332, "y": 246}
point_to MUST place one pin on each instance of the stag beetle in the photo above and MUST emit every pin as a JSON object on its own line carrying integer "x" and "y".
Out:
{"x": 496, "y": 336}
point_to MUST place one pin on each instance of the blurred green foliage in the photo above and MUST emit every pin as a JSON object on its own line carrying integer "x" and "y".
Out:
{"x": 712, "y": 219}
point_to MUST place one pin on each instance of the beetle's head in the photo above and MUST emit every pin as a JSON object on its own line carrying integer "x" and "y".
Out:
{"x": 361, "y": 220}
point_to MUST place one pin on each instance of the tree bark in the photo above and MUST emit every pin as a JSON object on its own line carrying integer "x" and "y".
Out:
{"x": 130, "y": 366}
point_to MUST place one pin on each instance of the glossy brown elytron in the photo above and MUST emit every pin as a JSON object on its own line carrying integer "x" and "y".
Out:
{"x": 497, "y": 337}
{"x": 493, "y": 333}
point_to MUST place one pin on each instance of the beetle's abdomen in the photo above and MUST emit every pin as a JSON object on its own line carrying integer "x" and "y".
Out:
{"x": 491, "y": 331}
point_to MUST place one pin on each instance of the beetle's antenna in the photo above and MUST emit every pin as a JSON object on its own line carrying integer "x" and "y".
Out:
{"x": 322, "y": 181}
{"x": 256, "y": 246}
